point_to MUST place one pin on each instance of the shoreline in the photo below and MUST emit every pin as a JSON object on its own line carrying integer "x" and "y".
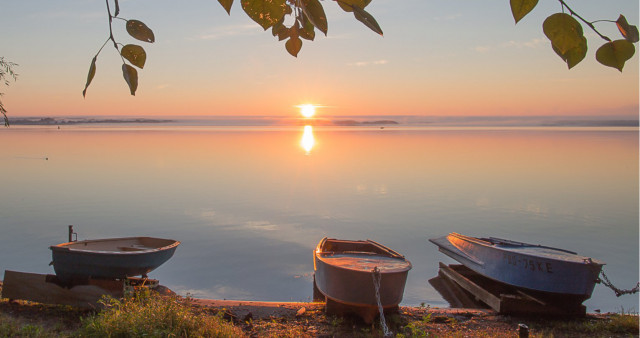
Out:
{"x": 308, "y": 319}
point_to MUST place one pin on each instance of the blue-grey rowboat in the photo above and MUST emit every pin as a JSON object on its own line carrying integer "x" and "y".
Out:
{"x": 110, "y": 258}
{"x": 344, "y": 272}
{"x": 556, "y": 272}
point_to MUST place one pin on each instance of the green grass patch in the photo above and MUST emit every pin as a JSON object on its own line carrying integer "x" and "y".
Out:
{"x": 150, "y": 314}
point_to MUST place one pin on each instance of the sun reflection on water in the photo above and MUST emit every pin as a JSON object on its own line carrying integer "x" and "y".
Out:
{"x": 308, "y": 141}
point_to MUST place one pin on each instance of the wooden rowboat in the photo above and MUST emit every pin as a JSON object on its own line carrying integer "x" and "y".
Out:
{"x": 111, "y": 258}
{"x": 550, "y": 272}
{"x": 347, "y": 272}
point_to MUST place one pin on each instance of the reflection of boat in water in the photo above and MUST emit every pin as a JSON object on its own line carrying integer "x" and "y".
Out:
{"x": 110, "y": 258}
{"x": 548, "y": 271}
{"x": 349, "y": 272}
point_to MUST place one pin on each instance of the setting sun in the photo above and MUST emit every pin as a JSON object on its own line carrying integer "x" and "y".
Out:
{"x": 307, "y": 110}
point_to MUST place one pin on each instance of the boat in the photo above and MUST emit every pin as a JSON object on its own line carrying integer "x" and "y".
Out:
{"x": 348, "y": 272}
{"x": 552, "y": 273}
{"x": 110, "y": 258}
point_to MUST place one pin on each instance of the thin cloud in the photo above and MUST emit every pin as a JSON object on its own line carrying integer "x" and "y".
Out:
{"x": 368, "y": 63}
{"x": 229, "y": 31}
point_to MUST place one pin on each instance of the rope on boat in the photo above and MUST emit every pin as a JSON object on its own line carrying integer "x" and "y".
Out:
{"x": 619, "y": 292}
{"x": 377, "y": 277}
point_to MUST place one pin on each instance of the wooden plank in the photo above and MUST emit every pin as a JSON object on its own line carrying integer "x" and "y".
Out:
{"x": 456, "y": 296}
{"x": 506, "y": 299}
{"x": 35, "y": 287}
{"x": 464, "y": 282}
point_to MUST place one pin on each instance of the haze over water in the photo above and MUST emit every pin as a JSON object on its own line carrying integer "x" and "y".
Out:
{"x": 249, "y": 203}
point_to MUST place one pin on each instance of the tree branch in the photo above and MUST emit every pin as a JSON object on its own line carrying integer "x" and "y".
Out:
{"x": 590, "y": 24}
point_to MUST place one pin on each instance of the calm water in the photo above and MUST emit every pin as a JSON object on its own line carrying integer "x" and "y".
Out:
{"x": 249, "y": 203}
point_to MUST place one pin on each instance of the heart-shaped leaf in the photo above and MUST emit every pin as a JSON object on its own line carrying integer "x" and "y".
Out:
{"x": 315, "y": 13}
{"x": 564, "y": 31}
{"x": 265, "y": 12}
{"x": 367, "y": 19}
{"x": 573, "y": 56}
{"x": 140, "y": 31}
{"x": 293, "y": 45}
{"x": 92, "y": 73}
{"x": 520, "y": 8}
{"x": 629, "y": 32}
{"x": 615, "y": 54}
{"x": 226, "y": 4}
{"x": 135, "y": 54}
{"x": 130, "y": 75}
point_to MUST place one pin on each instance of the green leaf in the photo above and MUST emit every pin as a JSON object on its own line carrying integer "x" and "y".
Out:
{"x": 265, "y": 12}
{"x": 564, "y": 31}
{"x": 226, "y": 4}
{"x": 573, "y": 56}
{"x": 367, "y": 19}
{"x": 307, "y": 32}
{"x": 315, "y": 13}
{"x": 293, "y": 45}
{"x": 520, "y": 8}
{"x": 135, "y": 54}
{"x": 131, "y": 76}
{"x": 140, "y": 31}
{"x": 629, "y": 32}
{"x": 92, "y": 73}
{"x": 347, "y": 5}
{"x": 615, "y": 54}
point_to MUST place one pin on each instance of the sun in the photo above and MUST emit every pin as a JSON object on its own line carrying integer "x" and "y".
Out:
{"x": 307, "y": 110}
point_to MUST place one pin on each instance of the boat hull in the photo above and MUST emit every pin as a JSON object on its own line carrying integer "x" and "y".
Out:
{"x": 550, "y": 272}
{"x": 355, "y": 287}
{"x": 110, "y": 258}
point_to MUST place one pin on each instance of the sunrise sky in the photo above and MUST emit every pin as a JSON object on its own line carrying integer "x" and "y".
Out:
{"x": 437, "y": 57}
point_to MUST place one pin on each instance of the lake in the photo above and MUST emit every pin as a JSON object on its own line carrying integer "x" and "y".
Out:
{"x": 250, "y": 203}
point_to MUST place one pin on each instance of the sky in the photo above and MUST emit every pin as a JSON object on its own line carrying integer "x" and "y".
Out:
{"x": 437, "y": 57}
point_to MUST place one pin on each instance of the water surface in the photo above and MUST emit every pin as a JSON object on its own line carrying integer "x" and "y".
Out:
{"x": 249, "y": 204}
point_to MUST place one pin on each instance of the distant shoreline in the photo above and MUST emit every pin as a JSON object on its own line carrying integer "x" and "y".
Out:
{"x": 50, "y": 121}
{"x": 343, "y": 121}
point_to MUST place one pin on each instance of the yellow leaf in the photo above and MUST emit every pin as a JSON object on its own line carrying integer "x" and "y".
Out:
{"x": 226, "y": 4}
{"x": 140, "y": 31}
{"x": 520, "y": 8}
{"x": 135, "y": 54}
{"x": 315, "y": 13}
{"x": 615, "y": 54}
{"x": 347, "y": 5}
{"x": 293, "y": 45}
{"x": 265, "y": 12}
{"x": 573, "y": 56}
{"x": 92, "y": 73}
{"x": 130, "y": 75}
{"x": 564, "y": 31}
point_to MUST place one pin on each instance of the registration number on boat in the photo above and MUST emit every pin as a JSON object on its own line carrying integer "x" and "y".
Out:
{"x": 527, "y": 263}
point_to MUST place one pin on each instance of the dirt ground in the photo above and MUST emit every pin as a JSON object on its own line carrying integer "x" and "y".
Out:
{"x": 293, "y": 319}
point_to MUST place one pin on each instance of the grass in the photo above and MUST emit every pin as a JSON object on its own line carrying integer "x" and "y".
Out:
{"x": 149, "y": 314}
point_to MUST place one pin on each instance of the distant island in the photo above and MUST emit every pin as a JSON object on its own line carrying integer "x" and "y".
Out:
{"x": 363, "y": 123}
{"x": 50, "y": 121}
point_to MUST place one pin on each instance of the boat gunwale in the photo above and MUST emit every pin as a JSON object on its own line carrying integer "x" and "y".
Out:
{"x": 485, "y": 243}
{"x": 323, "y": 255}
{"x": 64, "y": 247}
